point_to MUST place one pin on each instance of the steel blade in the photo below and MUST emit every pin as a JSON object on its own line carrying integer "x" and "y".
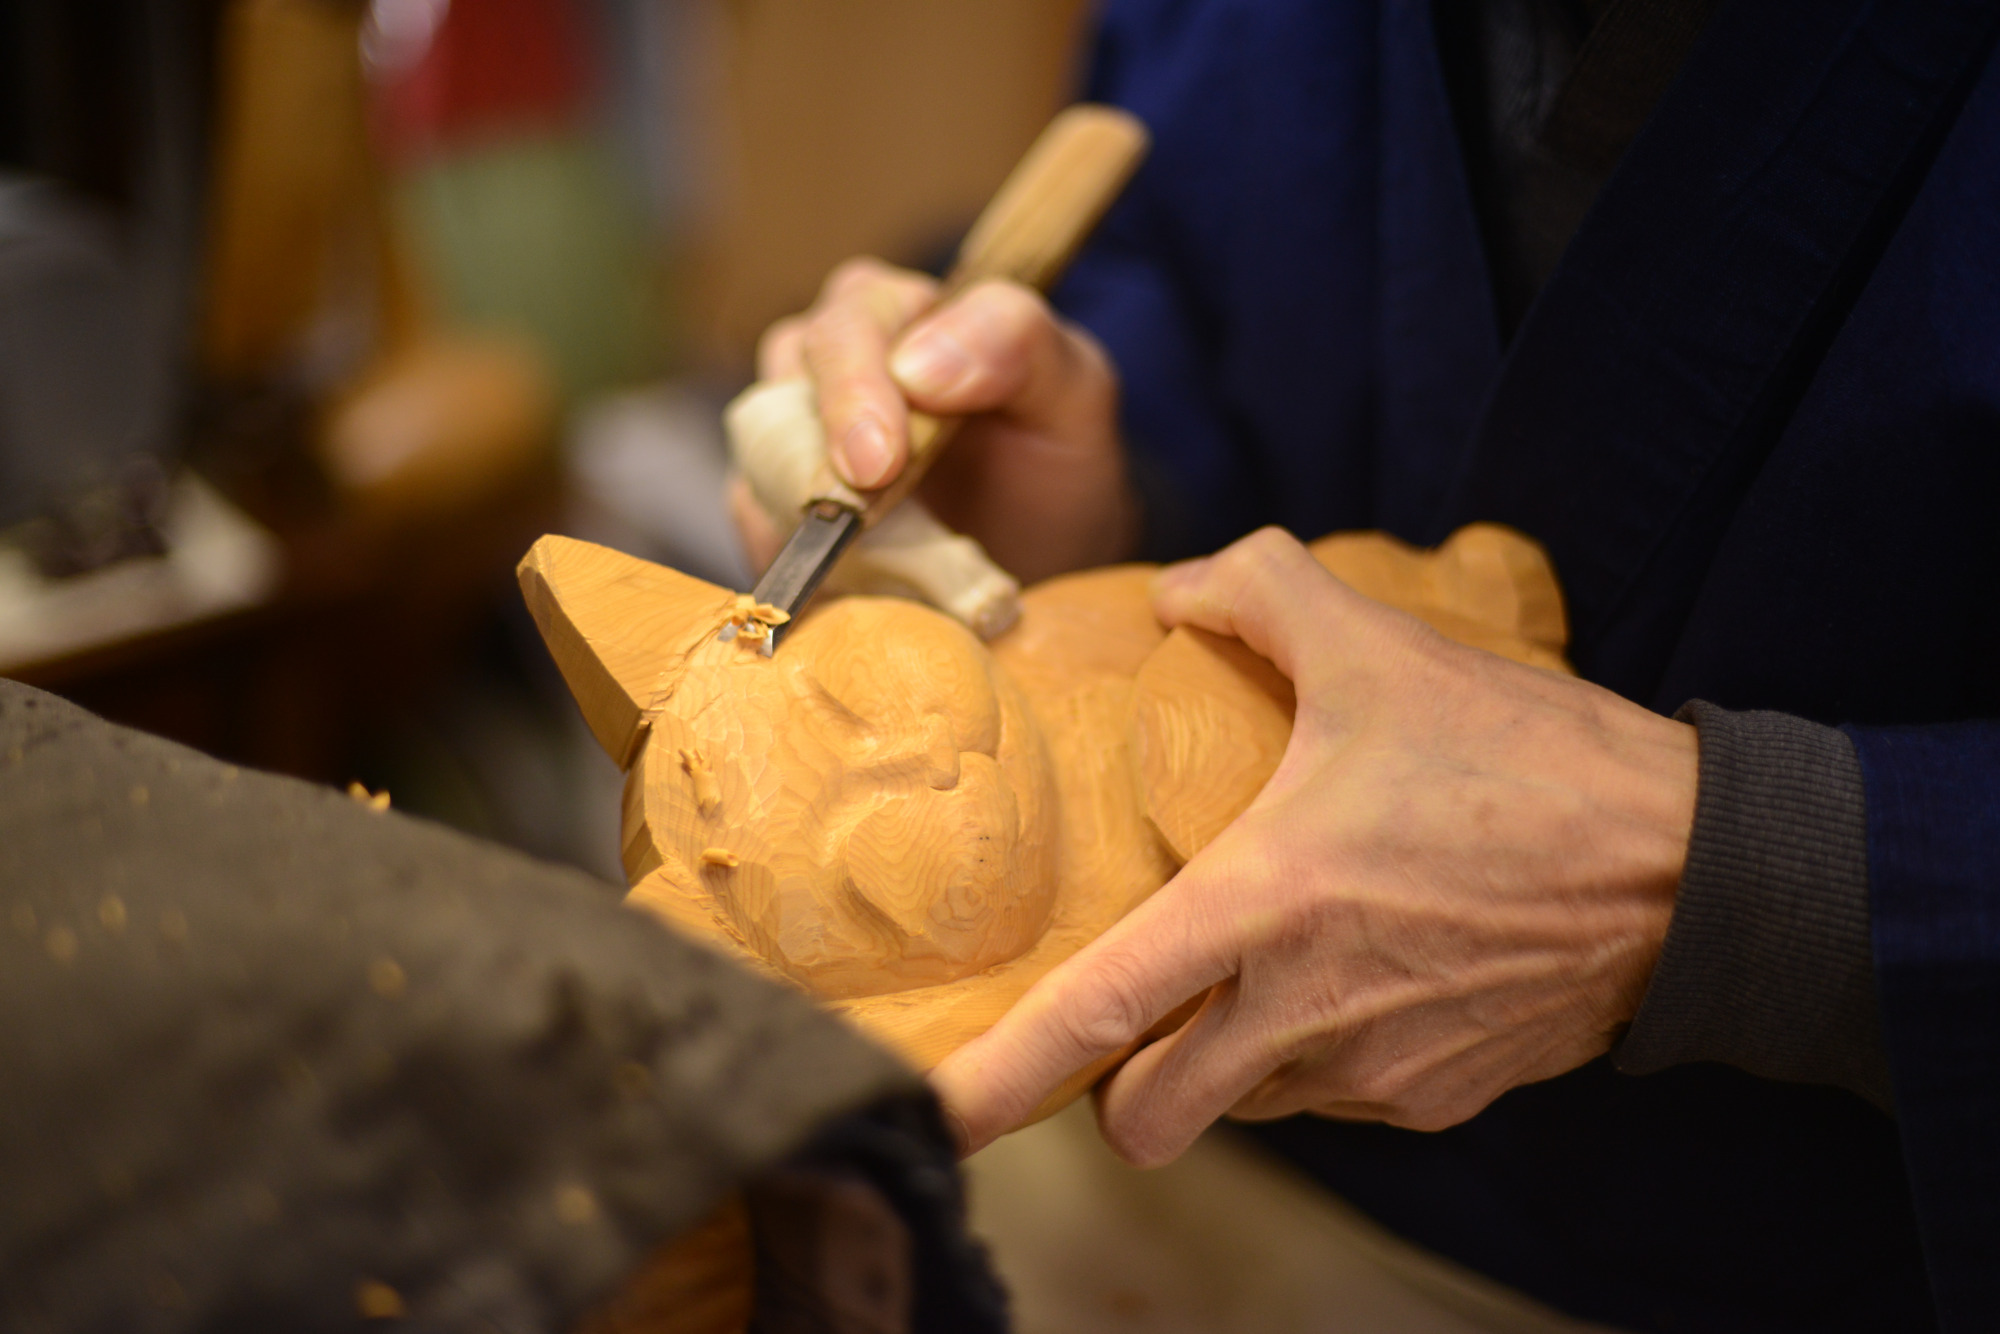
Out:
{"x": 810, "y": 552}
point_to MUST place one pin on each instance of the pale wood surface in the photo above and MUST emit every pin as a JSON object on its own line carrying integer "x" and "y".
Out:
{"x": 616, "y": 626}
{"x": 1211, "y": 722}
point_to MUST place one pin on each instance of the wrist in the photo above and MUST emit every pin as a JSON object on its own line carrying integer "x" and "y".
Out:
{"x": 1650, "y": 787}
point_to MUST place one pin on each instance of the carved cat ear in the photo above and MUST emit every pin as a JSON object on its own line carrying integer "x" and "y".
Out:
{"x": 619, "y": 628}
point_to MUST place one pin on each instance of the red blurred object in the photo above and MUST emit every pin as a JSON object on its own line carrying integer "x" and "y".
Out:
{"x": 490, "y": 69}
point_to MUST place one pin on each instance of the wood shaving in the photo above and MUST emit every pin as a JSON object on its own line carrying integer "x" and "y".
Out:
{"x": 720, "y": 857}
{"x": 751, "y": 621}
{"x": 378, "y": 801}
{"x": 707, "y": 793}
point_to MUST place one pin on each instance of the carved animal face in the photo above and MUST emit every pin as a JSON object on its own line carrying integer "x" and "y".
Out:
{"x": 881, "y": 791}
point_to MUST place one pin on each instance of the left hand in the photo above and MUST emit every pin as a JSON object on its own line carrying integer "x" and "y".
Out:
{"x": 1457, "y": 881}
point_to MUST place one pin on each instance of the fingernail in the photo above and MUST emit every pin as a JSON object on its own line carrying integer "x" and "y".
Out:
{"x": 865, "y": 451}
{"x": 930, "y": 363}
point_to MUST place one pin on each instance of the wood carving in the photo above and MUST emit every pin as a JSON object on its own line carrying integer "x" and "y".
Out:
{"x": 913, "y": 826}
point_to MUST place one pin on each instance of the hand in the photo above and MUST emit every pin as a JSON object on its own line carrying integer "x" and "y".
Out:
{"x": 1457, "y": 881}
{"x": 1037, "y": 473}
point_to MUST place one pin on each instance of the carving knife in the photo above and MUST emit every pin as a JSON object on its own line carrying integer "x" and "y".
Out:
{"x": 1028, "y": 233}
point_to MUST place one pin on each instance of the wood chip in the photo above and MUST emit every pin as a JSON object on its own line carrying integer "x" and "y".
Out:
{"x": 377, "y": 802}
{"x": 707, "y": 792}
{"x": 720, "y": 857}
{"x": 752, "y": 621}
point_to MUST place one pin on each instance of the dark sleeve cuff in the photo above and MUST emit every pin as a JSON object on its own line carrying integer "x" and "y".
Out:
{"x": 1767, "y": 964}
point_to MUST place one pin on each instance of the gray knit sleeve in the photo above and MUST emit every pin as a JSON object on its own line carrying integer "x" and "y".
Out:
{"x": 1767, "y": 964}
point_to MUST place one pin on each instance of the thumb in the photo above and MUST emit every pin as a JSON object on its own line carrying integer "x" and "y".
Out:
{"x": 1266, "y": 590}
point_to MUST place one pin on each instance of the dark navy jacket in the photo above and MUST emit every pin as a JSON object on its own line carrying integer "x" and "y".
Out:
{"x": 1755, "y": 416}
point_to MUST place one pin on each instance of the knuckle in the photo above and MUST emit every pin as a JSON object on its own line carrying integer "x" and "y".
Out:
{"x": 779, "y": 338}
{"x": 1270, "y": 549}
{"x": 1109, "y": 1013}
{"x": 781, "y": 330}
{"x": 853, "y": 274}
{"x": 1012, "y": 307}
{"x": 841, "y": 342}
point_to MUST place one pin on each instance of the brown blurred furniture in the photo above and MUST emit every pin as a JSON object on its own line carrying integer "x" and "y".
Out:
{"x": 842, "y": 129}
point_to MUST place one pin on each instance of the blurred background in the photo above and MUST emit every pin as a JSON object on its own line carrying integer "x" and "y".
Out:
{"x": 315, "y": 313}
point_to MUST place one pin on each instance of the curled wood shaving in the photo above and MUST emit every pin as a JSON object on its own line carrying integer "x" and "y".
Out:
{"x": 720, "y": 857}
{"x": 751, "y": 621}
{"x": 707, "y": 793}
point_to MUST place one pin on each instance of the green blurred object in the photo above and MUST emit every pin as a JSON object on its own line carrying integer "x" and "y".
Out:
{"x": 537, "y": 234}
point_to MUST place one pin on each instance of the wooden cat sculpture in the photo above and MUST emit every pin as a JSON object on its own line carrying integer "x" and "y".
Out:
{"x": 913, "y": 826}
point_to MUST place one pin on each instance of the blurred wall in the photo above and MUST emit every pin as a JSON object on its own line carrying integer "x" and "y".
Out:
{"x": 840, "y": 127}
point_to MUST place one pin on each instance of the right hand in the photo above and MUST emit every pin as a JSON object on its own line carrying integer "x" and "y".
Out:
{"x": 1037, "y": 473}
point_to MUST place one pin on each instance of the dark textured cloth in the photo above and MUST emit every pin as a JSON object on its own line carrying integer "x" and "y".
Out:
{"x": 1547, "y": 95}
{"x": 1634, "y": 50}
{"x": 1767, "y": 964}
{"x": 262, "y": 1045}
{"x": 1296, "y": 294}
{"x": 1934, "y": 846}
{"x": 1505, "y": 64}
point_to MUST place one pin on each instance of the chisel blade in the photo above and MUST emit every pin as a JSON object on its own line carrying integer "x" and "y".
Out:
{"x": 809, "y": 553}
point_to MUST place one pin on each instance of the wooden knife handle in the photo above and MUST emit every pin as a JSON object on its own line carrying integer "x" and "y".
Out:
{"x": 1028, "y": 233}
